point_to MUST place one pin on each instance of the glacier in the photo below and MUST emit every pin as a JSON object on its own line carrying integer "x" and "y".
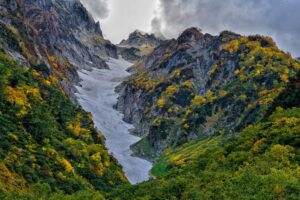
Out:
{"x": 96, "y": 94}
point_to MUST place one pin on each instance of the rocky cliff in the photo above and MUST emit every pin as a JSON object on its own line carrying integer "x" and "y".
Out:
{"x": 60, "y": 34}
{"x": 201, "y": 85}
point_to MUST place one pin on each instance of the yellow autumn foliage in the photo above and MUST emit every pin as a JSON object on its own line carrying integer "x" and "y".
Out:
{"x": 121, "y": 176}
{"x": 188, "y": 111}
{"x": 290, "y": 121}
{"x": 284, "y": 77}
{"x": 265, "y": 101}
{"x": 210, "y": 96}
{"x": 98, "y": 170}
{"x": 186, "y": 126}
{"x": 68, "y": 166}
{"x": 53, "y": 79}
{"x": 74, "y": 128}
{"x": 9, "y": 179}
{"x": 176, "y": 73}
{"x": 96, "y": 157}
{"x": 198, "y": 101}
{"x": 34, "y": 92}
{"x": 161, "y": 102}
{"x": 233, "y": 45}
{"x": 106, "y": 164}
{"x": 16, "y": 96}
{"x": 157, "y": 122}
{"x": 53, "y": 61}
{"x": 171, "y": 90}
{"x": 223, "y": 93}
{"x": 13, "y": 136}
{"x": 46, "y": 82}
{"x": 187, "y": 84}
{"x": 61, "y": 176}
{"x": 36, "y": 74}
{"x": 257, "y": 144}
{"x": 170, "y": 110}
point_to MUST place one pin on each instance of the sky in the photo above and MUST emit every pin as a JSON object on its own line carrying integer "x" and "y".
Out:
{"x": 119, "y": 18}
{"x": 279, "y": 19}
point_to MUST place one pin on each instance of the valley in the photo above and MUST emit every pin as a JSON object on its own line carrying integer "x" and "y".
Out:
{"x": 97, "y": 95}
{"x": 197, "y": 116}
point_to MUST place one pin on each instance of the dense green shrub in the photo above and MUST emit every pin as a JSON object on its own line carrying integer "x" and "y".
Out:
{"x": 45, "y": 138}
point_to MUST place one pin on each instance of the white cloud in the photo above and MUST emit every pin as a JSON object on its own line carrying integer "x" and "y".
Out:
{"x": 98, "y": 8}
{"x": 126, "y": 16}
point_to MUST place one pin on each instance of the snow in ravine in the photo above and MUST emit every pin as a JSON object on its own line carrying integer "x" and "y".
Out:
{"x": 97, "y": 95}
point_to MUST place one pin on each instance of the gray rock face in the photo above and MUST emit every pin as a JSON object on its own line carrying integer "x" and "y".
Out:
{"x": 130, "y": 54}
{"x": 194, "y": 54}
{"x": 138, "y": 45}
{"x": 138, "y": 39}
{"x": 201, "y": 86}
{"x": 62, "y": 29}
{"x": 66, "y": 26}
{"x": 132, "y": 105}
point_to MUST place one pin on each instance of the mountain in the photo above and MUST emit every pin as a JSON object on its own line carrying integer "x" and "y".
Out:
{"x": 46, "y": 141}
{"x": 60, "y": 34}
{"x": 138, "y": 45}
{"x": 260, "y": 162}
{"x": 49, "y": 147}
{"x": 218, "y": 115}
{"x": 201, "y": 85}
{"x": 139, "y": 39}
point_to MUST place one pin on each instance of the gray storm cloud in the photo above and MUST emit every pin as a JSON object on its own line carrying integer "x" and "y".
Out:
{"x": 98, "y": 8}
{"x": 277, "y": 18}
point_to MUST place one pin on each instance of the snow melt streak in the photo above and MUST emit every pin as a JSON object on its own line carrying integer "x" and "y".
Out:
{"x": 97, "y": 95}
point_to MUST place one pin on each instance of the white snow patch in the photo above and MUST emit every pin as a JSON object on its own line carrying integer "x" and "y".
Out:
{"x": 97, "y": 95}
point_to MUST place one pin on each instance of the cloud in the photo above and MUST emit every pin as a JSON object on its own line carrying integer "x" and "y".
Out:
{"x": 276, "y": 18}
{"x": 98, "y": 8}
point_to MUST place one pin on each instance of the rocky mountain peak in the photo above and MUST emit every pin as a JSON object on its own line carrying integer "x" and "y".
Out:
{"x": 138, "y": 39}
{"x": 138, "y": 32}
{"x": 61, "y": 34}
{"x": 70, "y": 12}
{"x": 137, "y": 45}
{"x": 229, "y": 35}
{"x": 189, "y": 35}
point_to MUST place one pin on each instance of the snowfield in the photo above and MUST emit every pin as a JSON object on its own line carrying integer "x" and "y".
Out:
{"x": 97, "y": 95}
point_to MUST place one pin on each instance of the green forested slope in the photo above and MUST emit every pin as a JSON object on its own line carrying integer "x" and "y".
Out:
{"x": 47, "y": 143}
{"x": 261, "y": 162}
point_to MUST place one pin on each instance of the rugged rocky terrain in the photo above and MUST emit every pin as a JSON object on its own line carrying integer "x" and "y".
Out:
{"x": 60, "y": 34}
{"x": 219, "y": 115}
{"x": 138, "y": 45}
{"x": 201, "y": 86}
{"x": 260, "y": 162}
